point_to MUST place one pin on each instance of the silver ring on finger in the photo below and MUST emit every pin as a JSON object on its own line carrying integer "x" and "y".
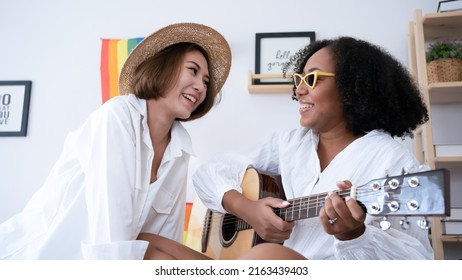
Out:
{"x": 332, "y": 221}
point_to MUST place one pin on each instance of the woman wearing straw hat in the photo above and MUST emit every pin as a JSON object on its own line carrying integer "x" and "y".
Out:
{"x": 124, "y": 171}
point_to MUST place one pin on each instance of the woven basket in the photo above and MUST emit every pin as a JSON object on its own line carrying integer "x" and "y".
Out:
{"x": 444, "y": 70}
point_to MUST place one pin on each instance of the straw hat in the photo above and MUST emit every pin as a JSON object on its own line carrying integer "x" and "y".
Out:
{"x": 209, "y": 39}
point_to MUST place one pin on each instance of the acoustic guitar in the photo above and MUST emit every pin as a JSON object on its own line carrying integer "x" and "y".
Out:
{"x": 225, "y": 236}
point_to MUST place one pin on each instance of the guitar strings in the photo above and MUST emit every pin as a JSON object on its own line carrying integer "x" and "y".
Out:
{"x": 298, "y": 205}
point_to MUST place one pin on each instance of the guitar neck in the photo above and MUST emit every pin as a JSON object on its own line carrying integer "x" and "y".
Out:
{"x": 305, "y": 207}
{"x": 300, "y": 208}
{"x": 417, "y": 194}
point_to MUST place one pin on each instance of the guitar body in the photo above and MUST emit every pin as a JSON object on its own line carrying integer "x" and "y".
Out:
{"x": 214, "y": 234}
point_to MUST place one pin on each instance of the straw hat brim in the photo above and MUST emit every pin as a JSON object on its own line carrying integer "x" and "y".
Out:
{"x": 209, "y": 39}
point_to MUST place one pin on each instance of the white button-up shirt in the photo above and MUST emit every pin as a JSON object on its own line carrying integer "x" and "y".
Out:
{"x": 292, "y": 154}
{"x": 98, "y": 196}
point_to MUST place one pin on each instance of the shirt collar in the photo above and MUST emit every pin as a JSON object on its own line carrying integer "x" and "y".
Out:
{"x": 138, "y": 103}
{"x": 180, "y": 140}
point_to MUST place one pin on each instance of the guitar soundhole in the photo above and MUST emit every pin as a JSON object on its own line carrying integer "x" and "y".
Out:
{"x": 228, "y": 230}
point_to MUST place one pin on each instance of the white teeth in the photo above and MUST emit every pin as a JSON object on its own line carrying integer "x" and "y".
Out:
{"x": 305, "y": 106}
{"x": 193, "y": 100}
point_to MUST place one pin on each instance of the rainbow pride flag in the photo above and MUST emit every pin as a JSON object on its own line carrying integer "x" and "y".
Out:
{"x": 114, "y": 52}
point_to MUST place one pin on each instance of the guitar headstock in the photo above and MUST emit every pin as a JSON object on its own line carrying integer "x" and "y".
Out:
{"x": 415, "y": 194}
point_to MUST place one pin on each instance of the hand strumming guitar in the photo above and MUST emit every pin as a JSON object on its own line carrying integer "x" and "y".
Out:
{"x": 260, "y": 215}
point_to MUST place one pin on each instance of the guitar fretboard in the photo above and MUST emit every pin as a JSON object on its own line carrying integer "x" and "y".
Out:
{"x": 299, "y": 208}
{"x": 305, "y": 207}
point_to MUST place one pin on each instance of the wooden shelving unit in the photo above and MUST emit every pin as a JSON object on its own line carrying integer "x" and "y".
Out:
{"x": 426, "y": 29}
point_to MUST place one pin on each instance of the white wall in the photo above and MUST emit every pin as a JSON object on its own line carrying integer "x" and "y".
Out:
{"x": 56, "y": 44}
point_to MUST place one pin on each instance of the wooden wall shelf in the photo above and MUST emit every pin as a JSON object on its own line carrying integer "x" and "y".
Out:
{"x": 445, "y": 92}
{"x": 267, "y": 88}
{"x": 442, "y": 26}
{"x": 451, "y": 238}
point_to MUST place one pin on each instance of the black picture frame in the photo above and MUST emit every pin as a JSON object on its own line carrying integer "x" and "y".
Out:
{"x": 449, "y": 6}
{"x": 273, "y": 49}
{"x": 14, "y": 107}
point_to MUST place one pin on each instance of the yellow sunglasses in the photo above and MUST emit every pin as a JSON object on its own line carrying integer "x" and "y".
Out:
{"x": 310, "y": 78}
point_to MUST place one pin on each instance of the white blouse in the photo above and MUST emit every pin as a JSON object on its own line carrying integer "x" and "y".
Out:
{"x": 292, "y": 154}
{"x": 98, "y": 196}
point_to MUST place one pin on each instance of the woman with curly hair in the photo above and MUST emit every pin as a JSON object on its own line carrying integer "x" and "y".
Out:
{"x": 354, "y": 99}
{"x": 369, "y": 80}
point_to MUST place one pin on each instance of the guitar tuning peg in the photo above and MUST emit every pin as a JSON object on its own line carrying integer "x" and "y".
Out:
{"x": 385, "y": 224}
{"x": 404, "y": 223}
{"x": 424, "y": 167}
{"x": 423, "y": 223}
{"x": 421, "y": 168}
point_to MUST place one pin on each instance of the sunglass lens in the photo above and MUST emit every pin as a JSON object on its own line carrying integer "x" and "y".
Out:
{"x": 297, "y": 80}
{"x": 310, "y": 79}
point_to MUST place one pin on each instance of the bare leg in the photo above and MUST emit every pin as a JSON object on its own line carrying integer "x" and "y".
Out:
{"x": 271, "y": 251}
{"x": 161, "y": 248}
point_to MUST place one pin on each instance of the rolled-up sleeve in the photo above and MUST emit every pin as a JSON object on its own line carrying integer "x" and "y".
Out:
{"x": 213, "y": 179}
{"x": 226, "y": 172}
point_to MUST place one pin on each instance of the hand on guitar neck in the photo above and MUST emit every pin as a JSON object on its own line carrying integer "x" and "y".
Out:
{"x": 260, "y": 215}
{"x": 342, "y": 217}
{"x": 349, "y": 216}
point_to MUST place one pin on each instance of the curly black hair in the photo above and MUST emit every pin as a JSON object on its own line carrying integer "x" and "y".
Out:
{"x": 377, "y": 90}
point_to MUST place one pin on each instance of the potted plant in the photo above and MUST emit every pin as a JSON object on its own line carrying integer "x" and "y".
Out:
{"x": 444, "y": 61}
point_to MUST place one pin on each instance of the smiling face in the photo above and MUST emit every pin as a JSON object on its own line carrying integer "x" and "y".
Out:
{"x": 321, "y": 108}
{"x": 189, "y": 89}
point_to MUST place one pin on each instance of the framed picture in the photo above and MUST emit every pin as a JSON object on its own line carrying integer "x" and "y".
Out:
{"x": 273, "y": 50}
{"x": 14, "y": 107}
{"x": 449, "y": 6}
